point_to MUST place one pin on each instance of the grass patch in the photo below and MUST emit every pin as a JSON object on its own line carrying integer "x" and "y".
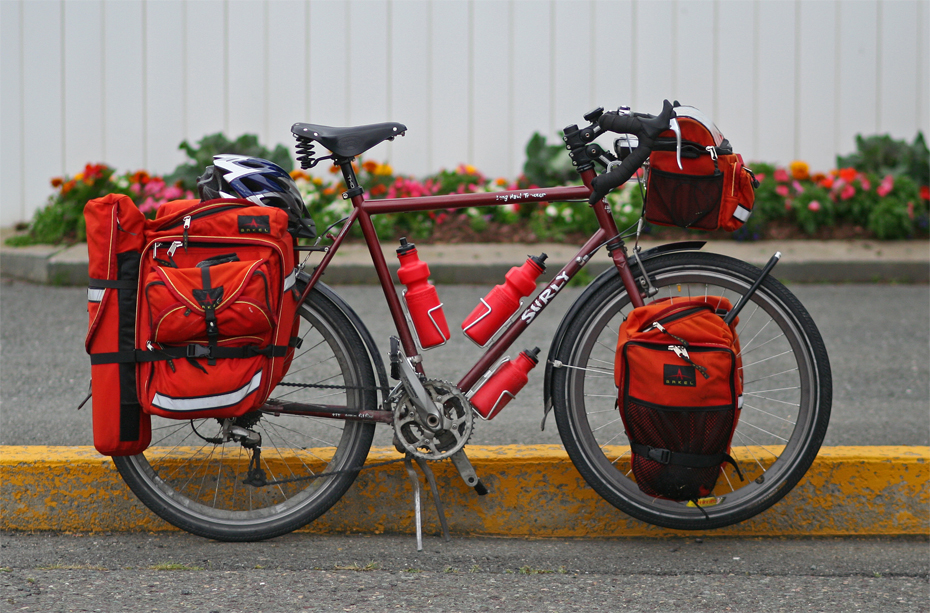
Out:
{"x": 174, "y": 566}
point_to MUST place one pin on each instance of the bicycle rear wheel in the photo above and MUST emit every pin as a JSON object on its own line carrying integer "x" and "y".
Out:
{"x": 196, "y": 482}
{"x": 787, "y": 393}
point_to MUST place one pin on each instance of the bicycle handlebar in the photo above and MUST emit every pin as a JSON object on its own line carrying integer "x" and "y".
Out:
{"x": 647, "y": 128}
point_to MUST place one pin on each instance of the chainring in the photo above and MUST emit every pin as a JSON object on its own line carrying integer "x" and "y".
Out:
{"x": 421, "y": 442}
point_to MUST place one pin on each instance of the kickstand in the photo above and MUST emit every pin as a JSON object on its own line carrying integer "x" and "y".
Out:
{"x": 418, "y": 518}
{"x": 431, "y": 479}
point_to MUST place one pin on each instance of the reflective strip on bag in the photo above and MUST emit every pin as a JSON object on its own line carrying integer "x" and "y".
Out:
{"x": 739, "y": 402}
{"x": 95, "y": 295}
{"x": 290, "y": 280}
{"x": 206, "y": 403}
{"x": 742, "y": 213}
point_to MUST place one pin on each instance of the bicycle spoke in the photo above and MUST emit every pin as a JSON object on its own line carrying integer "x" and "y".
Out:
{"x": 749, "y": 406}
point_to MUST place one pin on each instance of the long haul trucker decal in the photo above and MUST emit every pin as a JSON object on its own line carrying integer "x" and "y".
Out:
{"x": 544, "y": 297}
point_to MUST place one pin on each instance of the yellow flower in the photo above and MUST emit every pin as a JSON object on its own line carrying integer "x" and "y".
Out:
{"x": 501, "y": 182}
{"x": 384, "y": 170}
{"x": 79, "y": 176}
{"x": 370, "y": 166}
{"x": 299, "y": 174}
{"x": 317, "y": 181}
{"x": 800, "y": 170}
{"x": 471, "y": 169}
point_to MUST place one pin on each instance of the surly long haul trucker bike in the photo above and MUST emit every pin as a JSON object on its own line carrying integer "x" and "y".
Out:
{"x": 212, "y": 479}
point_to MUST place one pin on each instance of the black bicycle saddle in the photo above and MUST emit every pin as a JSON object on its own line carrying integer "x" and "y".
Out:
{"x": 349, "y": 142}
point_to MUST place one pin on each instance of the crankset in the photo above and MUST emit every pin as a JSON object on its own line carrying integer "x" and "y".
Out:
{"x": 420, "y": 439}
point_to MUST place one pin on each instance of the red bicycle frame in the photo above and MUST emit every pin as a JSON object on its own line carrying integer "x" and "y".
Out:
{"x": 363, "y": 210}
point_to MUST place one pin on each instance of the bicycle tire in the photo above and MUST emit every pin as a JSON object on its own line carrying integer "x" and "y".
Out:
{"x": 197, "y": 485}
{"x": 787, "y": 393}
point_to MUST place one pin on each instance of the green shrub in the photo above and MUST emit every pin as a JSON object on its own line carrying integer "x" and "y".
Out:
{"x": 214, "y": 144}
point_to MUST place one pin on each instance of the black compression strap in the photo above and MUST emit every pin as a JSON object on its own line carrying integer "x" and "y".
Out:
{"x": 189, "y": 351}
{"x": 690, "y": 460}
{"x": 111, "y": 283}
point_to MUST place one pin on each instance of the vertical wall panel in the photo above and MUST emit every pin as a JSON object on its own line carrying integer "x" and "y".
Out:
{"x": 613, "y": 53}
{"x": 42, "y": 125}
{"x": 12, "y": 204}
{"x": 449, "y": 69}
{"x": 694, "y": 55}
{"x": 287, "y": 71}
{"x": 369, "y": 58}
{"x": 165, "y": 84}
{"x": 83, "y": 83}
{"x": 923, "y": 68}
{"x": 205, "y": 73}
{"x": 735, "y": 100}
{"x": 410, "y": 85}
{"x": 531, "y": 79}
{"x": 816, "y": 84}
{"x": 246, "y": 99}
{"x": 656, "y": 54}
{"x": 572, "y": 57}
{"x": 858, "y": 74}
{"x": 897, "y": 85}
{"x": 777, "y": 85}
{"x": 491, "y": 87}
{"x": 125, "y": 86}
{"x": 328, "y": 31}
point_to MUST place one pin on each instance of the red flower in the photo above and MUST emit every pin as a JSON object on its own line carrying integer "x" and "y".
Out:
{"x": 848, "y": 174}
{"x": 925, "y": 192}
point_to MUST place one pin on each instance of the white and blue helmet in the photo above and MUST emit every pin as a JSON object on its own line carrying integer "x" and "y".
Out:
{"x": 259, "y": 181}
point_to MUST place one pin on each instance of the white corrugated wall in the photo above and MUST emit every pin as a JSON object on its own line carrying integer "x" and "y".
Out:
{"x": 123, "y": 82}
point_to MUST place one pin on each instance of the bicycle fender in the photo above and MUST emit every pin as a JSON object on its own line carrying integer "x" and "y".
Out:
{"x": 599, "y": 281}
{"x": 373, "y": 354}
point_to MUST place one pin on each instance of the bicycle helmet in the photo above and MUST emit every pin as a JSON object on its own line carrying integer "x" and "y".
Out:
{"x": 259, "y": 181}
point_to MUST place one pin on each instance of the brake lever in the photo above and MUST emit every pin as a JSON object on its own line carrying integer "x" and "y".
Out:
{"x": 674, "y": 127}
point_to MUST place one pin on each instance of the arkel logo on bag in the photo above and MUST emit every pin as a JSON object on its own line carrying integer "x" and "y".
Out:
{"x": 681, "y": 376}
{"x": 254, "y": 224}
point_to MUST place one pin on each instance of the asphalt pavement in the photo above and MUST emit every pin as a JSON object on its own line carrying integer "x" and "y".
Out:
{"x": 877, "y": 336}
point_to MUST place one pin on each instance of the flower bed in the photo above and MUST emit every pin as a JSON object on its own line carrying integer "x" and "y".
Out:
{"x": 853, "y": 201}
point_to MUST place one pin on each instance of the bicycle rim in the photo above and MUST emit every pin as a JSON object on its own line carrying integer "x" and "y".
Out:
{"x": 197, "y": 484}
{"x": 786, "y": 395}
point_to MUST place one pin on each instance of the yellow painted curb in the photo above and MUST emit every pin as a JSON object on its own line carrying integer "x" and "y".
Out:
{"x": 535, "y": 492}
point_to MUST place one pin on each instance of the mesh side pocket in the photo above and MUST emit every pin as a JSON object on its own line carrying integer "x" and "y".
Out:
{"x": 704, "y": 432}
{"x": 686, "y": 201}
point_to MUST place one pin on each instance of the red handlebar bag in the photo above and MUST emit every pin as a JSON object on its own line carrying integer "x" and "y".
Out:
{"x": 679, "y": 377}
{"x": 115, "y": 237}
{"x": 215, "y": 314}
{"x": 713, "y": 189}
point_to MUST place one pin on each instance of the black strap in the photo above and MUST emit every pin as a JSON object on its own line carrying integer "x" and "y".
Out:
{"x": 189, "y": 351}
{"x": 111, "y": 283}
{"x": 690, "y": 460}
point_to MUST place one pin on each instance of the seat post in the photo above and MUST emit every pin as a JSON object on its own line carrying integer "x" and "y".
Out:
{"x": 351, "y": 181}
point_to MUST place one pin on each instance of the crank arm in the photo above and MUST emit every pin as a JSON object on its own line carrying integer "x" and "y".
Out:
{"x": 468, "y": 472}
{"x": 430, "y": 416}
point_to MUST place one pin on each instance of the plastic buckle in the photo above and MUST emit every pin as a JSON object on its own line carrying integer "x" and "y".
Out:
{"x": 198, "y": 351}
{"x": 662, "y": 456}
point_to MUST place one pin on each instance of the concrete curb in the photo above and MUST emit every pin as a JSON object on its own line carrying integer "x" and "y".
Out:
{"x": 535, "y": 492}
{"x": 482, "y": 264}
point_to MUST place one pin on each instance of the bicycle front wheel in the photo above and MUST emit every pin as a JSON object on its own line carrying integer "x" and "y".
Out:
{"x": 194, "y": 480}
{"x": 786, "y": 397}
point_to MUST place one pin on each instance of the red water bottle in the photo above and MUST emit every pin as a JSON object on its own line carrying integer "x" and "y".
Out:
{"x": 504, "y": 300}
{"x": 504, "y": 384}
{"x": 421, "y": 297}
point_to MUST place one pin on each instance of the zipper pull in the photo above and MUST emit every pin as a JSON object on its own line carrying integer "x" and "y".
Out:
{"x": 148, "y": 345}
{"x": 682, "y": 353}
{"x": 174, "y": 247}
{"x": 155, "y": 250}
{"x": 187, "y": 225}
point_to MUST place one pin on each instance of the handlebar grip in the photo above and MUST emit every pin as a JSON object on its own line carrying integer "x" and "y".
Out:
{"x": 602, "y": 184}
{"x": 647, "y": 129}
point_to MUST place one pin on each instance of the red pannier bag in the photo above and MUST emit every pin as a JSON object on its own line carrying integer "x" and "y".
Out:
{"x": 216, "y": 327}
{"x": 713, "y": 189}
{"x": 115, "y": 238}
{"x": 679, "y": 379}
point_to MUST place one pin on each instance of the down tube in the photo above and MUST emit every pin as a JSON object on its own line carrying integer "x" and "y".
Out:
{"x": 539, "y": 303}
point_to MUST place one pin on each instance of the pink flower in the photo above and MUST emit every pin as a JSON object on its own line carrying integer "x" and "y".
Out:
{"x": 787, "y": 205}
{"x": 154, "y": 186}
{"x": 864, "y": 182}
{"x": 173, "y": 193}
{"x": 760, "y": 176}
{"x": 148, "y": 205}
{"x": 886, "y": 186}
{"x": 135, "y": 188}
{"x": 910, "y": 210}
{"x": 813, "y": 206}
{"x": 848, "y": 192}
{"x": 797, "y": 187}
{"x": 782, "y": 190}
{"x": 781, "y": 175}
